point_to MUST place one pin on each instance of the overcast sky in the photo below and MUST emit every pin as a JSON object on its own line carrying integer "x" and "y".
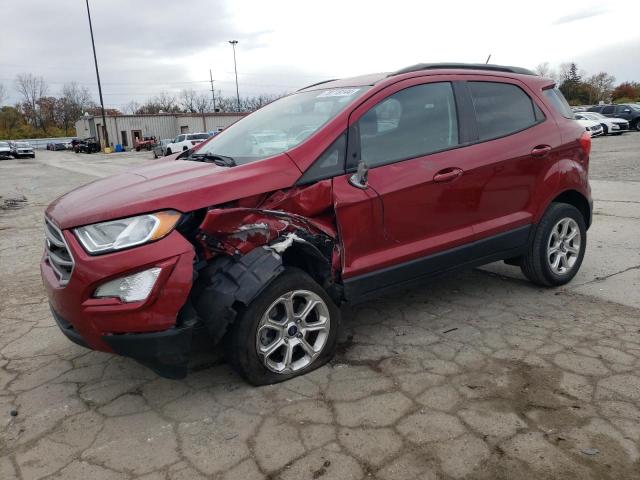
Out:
{"x": 147, "y": 46}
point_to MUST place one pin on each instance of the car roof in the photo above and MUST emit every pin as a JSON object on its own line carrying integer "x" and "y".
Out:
{"x": 426, "y": 69}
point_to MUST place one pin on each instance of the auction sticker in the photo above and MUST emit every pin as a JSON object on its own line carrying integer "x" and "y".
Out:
{"x": 339, "y": 92}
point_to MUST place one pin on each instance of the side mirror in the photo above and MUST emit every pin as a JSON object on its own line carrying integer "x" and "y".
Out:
{"x": 627, "y": 110}
{"x": 360, "y": 178}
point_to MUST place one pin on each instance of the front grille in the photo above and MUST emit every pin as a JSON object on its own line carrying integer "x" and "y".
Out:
{"x": 57, "y": 252}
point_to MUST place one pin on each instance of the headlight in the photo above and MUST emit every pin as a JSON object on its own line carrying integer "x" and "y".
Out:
{"x": 118, "y": 234}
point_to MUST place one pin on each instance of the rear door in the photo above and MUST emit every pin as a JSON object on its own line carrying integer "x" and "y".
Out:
{"x": 609, "y": 111}
{"x": 517, "y": 141}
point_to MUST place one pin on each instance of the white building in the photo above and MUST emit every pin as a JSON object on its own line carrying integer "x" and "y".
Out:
{"x": 124, "y": 129}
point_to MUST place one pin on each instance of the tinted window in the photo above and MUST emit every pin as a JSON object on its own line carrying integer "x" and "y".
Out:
{"x": 410, "y": 123}
{"x": 501, "y": 108}
{"x": 558, "y": 102}
{"x": 198, "y": 136}
{"x": 608, "y": 109}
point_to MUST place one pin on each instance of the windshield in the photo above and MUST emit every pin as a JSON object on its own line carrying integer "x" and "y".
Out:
{"x": 594, "y": 115}
{"x": 281, "y": 125}
{"x": 4, "y": 144}
{"x": 23, "y": 144}
{"x": 635, "y": 107}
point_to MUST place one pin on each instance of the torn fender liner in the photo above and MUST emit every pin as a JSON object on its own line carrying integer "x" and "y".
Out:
{"x": 227, "y": 280}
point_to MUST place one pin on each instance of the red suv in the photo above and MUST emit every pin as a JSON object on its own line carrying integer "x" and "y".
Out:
{"x": 336, "y": 193}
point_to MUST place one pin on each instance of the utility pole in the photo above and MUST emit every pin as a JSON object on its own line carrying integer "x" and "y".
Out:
{"x": 235, "y": 67}
{"x": 95, "y": 59}
{"x": 213, "y": 95}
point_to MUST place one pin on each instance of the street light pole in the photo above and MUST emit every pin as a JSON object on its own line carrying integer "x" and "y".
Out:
{"x": 213, "y": 95}
{"x": 235, "y": 67}
{"x": 95, "y": 59}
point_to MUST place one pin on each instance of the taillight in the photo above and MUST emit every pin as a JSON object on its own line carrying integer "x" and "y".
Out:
{"x": 585, "y": 143}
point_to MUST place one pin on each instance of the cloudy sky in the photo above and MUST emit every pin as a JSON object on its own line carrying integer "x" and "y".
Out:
{"x": 148, "y": 46}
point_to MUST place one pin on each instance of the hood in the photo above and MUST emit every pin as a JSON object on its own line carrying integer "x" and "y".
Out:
{"x": 181, "y": 185}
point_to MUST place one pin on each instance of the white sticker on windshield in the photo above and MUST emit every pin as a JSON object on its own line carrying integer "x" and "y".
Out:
{"x": 338, "y": 92}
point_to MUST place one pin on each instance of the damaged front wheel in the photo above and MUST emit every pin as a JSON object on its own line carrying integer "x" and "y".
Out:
{"x": 288, "y": 330}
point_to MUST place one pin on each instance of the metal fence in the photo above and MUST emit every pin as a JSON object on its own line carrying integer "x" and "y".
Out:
{"x": 41, "y": 143}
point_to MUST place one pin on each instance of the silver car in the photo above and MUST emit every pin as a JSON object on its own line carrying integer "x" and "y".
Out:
{"x": 23, "y": 149}
{"x": 5, "y": 150}
{"x": 160, "y": 149}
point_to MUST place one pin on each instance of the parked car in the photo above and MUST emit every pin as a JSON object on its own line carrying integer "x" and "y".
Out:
{"x": 610, "y": 126}
{"x": 474, "y": 164}
{"x": 22, "y": 150}
{"x": 185, "y": 141}
{"x": 147, "y": 143}
{"x": 56, "y": 146}
{"x": 160, "y": 149}
{"x": 88, "y": 145}
{"x": 593, "y": 127}
{"x": 5, "y": 150}
{"x": 628, "y": 111}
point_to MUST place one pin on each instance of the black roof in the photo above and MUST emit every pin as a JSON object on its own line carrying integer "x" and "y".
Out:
{"x": 464, "y": 66}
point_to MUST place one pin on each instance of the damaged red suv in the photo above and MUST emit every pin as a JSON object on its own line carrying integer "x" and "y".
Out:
{"x": 336, "y": 193}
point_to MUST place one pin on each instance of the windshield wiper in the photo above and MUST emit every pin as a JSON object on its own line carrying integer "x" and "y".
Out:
{"x": 220, "y": 160}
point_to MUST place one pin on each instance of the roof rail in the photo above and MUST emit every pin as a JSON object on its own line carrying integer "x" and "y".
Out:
{"x": 316, "y": 84}
{"x": 464, "y": 66}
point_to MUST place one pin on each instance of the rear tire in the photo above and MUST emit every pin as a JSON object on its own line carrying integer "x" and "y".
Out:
{"x": 254, "y": 328}
{"x": 555, "y": 253}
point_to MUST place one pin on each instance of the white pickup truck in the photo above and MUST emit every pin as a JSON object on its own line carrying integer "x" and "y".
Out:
{"x": 185, "y": 141}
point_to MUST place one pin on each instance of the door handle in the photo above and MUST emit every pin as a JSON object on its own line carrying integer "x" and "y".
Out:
{"x": 447, "y": 174}
{"x": 541, "y": 151}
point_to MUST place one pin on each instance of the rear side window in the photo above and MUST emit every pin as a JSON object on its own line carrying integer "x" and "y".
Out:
{"x": 413, "y": 122}
{"x": 608, "y": 110}
{"x": 558, "y": 102}
{"x": 501, "y": 109}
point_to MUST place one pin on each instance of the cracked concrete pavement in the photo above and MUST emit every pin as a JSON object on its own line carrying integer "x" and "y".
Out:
{"x": 476, "y": 375}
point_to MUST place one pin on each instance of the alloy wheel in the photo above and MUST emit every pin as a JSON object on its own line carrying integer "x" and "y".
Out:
{"x": 293, "y": 331}
{"x": 563, "y": 247}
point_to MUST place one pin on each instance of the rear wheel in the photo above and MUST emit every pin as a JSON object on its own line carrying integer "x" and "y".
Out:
{"x": 555, "y": 254}
{"x": 636, "y": 125}
{"x": 290, "y": 329}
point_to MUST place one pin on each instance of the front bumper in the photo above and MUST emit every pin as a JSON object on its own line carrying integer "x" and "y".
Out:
{"x": 153, "y": 331}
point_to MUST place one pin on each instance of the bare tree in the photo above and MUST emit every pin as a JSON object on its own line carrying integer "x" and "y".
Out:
{"x": 131, "y": 108}
{"x": 543, "y": 69}
{"x": 167, "y": 102}
{"x": 203, "y": 103}
{"x": 31, "y": 89}
{"x": 72, "y": 104}
{"x": 600, "y": 86}
{"x": 79, "y": 96}
{"x": 564, "y": 72}
{"x": 188, "y": 100}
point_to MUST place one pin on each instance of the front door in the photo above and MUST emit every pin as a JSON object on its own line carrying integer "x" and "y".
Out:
{"x": 419, "y": 196}
{"x": 136, "y": 136}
